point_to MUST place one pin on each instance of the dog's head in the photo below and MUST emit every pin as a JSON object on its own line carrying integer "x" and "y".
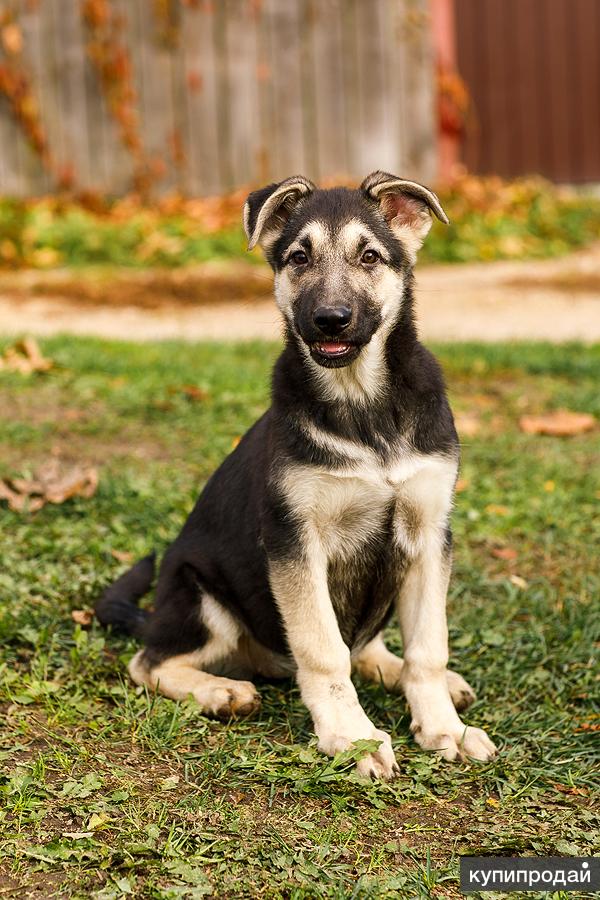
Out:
{"x": 340, "y": 256}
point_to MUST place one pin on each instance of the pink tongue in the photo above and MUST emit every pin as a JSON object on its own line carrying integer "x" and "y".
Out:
{"x": 330, "y": 347}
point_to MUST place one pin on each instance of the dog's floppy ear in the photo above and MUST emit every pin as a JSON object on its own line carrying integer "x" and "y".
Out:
{"x": 266, "y": 211}
{"x": 406, "y": 207}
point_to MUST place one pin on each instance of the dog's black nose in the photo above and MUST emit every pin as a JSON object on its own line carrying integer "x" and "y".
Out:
{"x": 332, "y": 319}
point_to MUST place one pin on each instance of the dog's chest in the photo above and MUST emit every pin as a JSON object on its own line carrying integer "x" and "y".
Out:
{"x": 345, "y": 511}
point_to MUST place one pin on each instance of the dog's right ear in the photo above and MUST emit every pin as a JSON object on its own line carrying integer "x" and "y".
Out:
{"x": 266, "y": 211}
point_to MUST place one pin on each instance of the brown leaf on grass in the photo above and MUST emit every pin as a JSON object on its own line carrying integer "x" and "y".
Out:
{"x": 83, "y": 617}
{"x": 461, "y": 485}
{"x": 122, "y": 556}
{"x": 570, "y": 789}
{"x": 497, "y": 509}
{"x": 19, "y": 502}
{"x": 191, "y": 391}
{"x": 52, "y": 483}
{"x": 25, "y": 357}
{"x": 507, "y": 553}
{"x": 560, "y": 423}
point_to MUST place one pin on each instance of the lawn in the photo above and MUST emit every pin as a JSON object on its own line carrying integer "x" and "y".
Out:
{"x": 109, "y": 791}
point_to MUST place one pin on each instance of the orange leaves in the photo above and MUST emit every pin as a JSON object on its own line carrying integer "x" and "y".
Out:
{"x": 111, "y": 59}
{"x": 122, "y": 556}
{"x": 506, "y": 553}
{"x": 560, "y": 423}
{"x": 12, "y": 39}
{"x": 495, "y": 509}
{"x": 83, "y": 617}
{"x": 52, "y": 483}
{"x": 25, "y": 357}
{"x": 191, "y": 391}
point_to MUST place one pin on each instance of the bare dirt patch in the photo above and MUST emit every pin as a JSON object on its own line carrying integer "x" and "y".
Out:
{"x": 154, "y": 289}
{"x": 554, "y": 300}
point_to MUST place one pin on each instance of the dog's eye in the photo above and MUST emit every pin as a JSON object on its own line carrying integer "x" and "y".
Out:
{"x": 299, "y": 258}
{"x": 369, "y": 257}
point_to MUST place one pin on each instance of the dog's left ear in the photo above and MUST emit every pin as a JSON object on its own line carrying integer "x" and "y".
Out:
{"x": 266, "y": 211}
{"x": 406, "y": 207}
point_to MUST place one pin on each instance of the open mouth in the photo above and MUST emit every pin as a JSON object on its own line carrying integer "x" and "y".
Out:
{"x": 333, "y": 354}
{"x": 333, "y": 349}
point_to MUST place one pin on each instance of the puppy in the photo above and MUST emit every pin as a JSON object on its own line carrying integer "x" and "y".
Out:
{"x": 332, "y": 513}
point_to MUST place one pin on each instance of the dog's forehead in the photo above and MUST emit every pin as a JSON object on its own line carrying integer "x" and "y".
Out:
{"x": 344, "y": 240}
{"x": 338, "y": 219}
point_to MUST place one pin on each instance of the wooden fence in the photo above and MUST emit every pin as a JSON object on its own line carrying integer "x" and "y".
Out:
{"x": 225, "y": 92}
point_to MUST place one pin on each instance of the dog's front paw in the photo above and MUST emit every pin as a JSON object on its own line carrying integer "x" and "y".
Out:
{"x": 379, "y": 764}
{"x": 454, "y": 744}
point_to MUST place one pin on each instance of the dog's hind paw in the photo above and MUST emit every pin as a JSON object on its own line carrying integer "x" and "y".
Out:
{"x": 228, "y": 699}
{"x": 460, "y": 690}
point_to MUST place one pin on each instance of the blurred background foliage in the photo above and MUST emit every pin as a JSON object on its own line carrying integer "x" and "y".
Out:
{"x": 490, "y": 219}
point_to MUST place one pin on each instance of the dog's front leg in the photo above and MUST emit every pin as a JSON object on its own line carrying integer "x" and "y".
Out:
{"x": 422, "y": 614}
{"x": 323, "y": 661}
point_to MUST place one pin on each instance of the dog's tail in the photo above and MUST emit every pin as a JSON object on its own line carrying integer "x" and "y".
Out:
{"x": 118, "y": 605}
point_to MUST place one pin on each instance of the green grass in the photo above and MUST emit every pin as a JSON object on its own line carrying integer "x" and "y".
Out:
{"x": 111, "y": 792}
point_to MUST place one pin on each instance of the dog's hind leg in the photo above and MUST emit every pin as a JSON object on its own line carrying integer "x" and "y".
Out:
{"x": 181, "y": 676}
{"x": 188, "y": 638}
{"x": 376, "y": 663}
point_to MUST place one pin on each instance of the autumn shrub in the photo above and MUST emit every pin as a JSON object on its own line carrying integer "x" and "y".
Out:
{"x": 490, "y": 219}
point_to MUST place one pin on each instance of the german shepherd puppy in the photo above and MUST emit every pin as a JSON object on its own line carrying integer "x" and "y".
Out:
{"x": 333, "y": 511}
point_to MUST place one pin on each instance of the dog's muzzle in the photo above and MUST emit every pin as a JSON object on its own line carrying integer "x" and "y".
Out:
{"x": 332, "y": 350}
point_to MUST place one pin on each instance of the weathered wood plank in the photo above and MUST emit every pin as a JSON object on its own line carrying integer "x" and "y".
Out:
{"x": 330, "y": 99}
{"x": 200, "y": 135}
{"x": 67, "y": 31}
{"x": 279, "y": 77}
{"x": 249, "y": 89}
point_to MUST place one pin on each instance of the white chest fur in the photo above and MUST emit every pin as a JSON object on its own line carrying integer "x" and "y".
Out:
{"x": 343, "y": 509}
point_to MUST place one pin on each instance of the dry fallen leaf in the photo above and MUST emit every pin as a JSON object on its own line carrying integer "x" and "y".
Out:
{"x": 83, "y": 617}
{"x": 497, "y": 510}
{"x": 560, "y": 423}
{"x": 52, "y": 483}
{"x": 570, "y": 789}
{"x": 467, "y": 425}
{"x": 191, "y": 391}
{"x": 97, "y": 820}
{"x": 122, "y": 556}
{"x": 25, "y": 357}
{"x": 507, "y": 553}
{"x": 518, "y": 581}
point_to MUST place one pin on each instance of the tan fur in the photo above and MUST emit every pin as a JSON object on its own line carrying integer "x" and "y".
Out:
{"x": 376, "y": 663}
{"x": 180, "y": 677}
